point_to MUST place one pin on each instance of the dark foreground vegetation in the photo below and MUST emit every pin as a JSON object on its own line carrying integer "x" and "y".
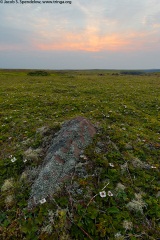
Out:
{"x": 119, "y": 198}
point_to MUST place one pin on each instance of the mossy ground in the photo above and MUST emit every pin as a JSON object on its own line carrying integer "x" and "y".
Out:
{"x": 124, "y": 153}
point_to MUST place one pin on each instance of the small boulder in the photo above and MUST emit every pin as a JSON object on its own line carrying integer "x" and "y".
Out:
{"x": 61, "y": 158}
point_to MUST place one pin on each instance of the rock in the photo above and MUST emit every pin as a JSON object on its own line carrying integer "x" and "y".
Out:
{"x": 61, "y": 158}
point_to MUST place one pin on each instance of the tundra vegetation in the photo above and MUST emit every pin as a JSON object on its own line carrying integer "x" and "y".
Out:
{"x": 119, "y": 195}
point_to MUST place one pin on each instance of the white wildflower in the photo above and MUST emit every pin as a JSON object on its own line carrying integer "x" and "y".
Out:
{"x": 25, "y": 160}
{"x": 42, "y": 201}
{"x": 13, "y": 159}
{"x": 111, "y": 164}
{"x": 102, "y": 194}
{"x": 110, "y": 194}
{"x": 153, "y": 167}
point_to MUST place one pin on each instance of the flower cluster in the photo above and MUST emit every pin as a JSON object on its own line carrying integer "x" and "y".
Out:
{"x": 103, "y": 194}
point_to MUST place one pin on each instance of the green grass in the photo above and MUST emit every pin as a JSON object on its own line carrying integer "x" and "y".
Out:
{"x": 126, "y": 108}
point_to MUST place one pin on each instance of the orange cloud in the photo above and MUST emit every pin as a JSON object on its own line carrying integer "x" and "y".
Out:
{"x": 85, "y": 42}
{"x": 91, "y": 40}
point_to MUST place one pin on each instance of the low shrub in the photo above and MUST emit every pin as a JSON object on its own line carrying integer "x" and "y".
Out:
{"x": 38, "y": 73}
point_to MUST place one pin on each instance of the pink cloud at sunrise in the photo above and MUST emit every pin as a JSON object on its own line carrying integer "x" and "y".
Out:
{"x": 92, "y": 42}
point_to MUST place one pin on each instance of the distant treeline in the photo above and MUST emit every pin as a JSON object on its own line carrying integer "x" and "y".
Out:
{"x": 38, "y": 73}
{"x": 132, "y": 72}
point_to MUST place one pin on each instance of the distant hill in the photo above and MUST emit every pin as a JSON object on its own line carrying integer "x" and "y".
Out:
{"x": 139, "y": 72}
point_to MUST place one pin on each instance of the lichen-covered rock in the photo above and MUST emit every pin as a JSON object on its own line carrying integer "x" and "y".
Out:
{"x": 61, "y": 158}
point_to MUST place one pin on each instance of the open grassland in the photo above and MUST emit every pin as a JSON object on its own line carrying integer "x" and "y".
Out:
{"x": 124, "y": 157}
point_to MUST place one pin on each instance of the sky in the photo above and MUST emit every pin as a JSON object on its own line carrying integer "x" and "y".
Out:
{"x": 81, "y": 34}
